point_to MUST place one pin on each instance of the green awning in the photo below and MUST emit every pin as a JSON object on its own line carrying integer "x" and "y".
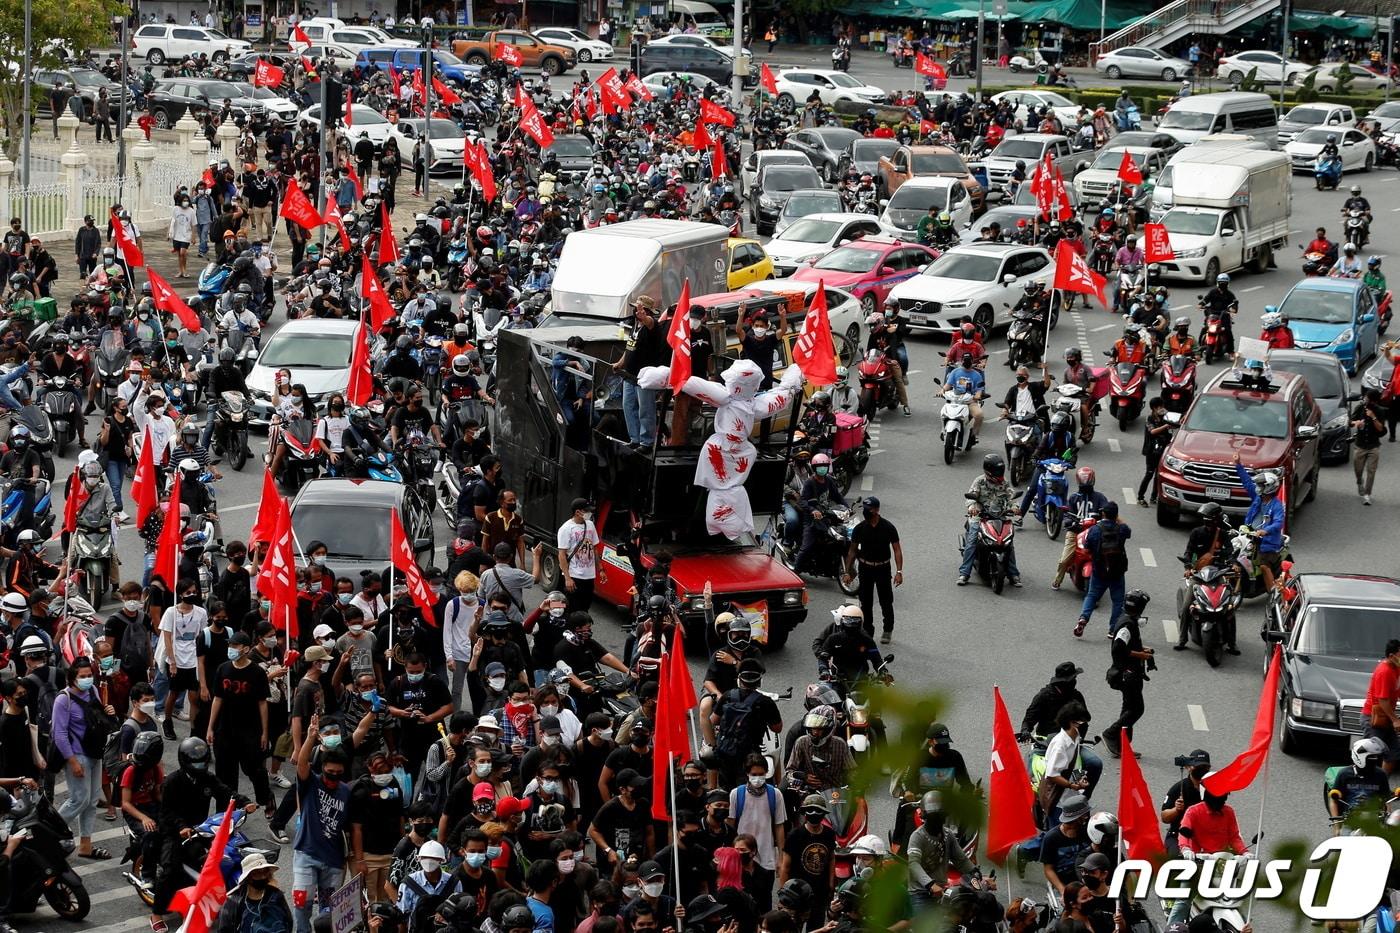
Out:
{"x": 1081, "y": 14}
{"x": 1356, "y": 28}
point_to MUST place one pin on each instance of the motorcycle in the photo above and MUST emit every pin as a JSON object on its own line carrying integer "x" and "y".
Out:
{"x": 245, "y": 350}
{"x": 1206, "y": 605}
{"x": 994, "y": 532}
{"x": 827, "y": 558}
{"x": 1327, "y": 172}
{"x": 1025, "y": 339}
{"x": 1131, "y": 281}
{"x": 876, "y": 384}
{"x": 195, "y": 849}
{"x": 956, "y": 416}
{"x": 231, "y": 428}
{"x": 1224, "y": 905}
{"x": 1070, "y": 400}
{"x": 1052, "y": 492}
{"x": 64, "y": 406}
{"x": 39, "y": 867}
{"x": 1022, "y": 437}
{"x": 732, "y": 221}
{"x": 110, "y": 360}
{"x": 93, "y": 545}
{"x": 1358, "y": 228}
{"x": 431, "y": 359}
{"x": 302, "y": 463}
{"x": 840, "y": 59}
{"x": 1213, "y": 337}
{"x": 420, "y": 461}
{"x": 13, "y": 516}
{"x": 201, "y": 549}
{"x": 1178, "y": 382}
{"x": 1126, "y": 390}
{"x": 1081, "y": 566}
{"x": 615, "y": 689}
{"x": 213, "y": 281}
{"x": 1129, "y": 118}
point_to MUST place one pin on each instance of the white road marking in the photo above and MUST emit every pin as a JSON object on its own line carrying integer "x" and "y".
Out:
{"x": 1148, "y": 560}
{"x": 131, "y": 923}
{"x": 867, "y": 483}
{"x": 1198, "y": 717}
{"x": 915, "y": 372}
{"x": 1129, "y": 494}
{"x": 239, "y": 508}
{"x": 1252, "y": 288}
{"x": 1102, "y": 327}
{"x": 1114, "y": 445}
{"x": 1171, "y": 628}
{"x": 1001, "y": 351}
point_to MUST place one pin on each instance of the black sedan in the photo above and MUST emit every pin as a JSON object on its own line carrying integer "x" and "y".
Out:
{"x": 171, "y": 99}
{"x": 241, "y": 67}
{"x": 1134, "y": 138}
{"x": 823, "y": 147}
{"x": 87, "y": 80}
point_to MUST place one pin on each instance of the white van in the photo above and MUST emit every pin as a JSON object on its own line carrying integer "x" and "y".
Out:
{"x": 1236, "y": 112}
{"x": 707, "y": 19}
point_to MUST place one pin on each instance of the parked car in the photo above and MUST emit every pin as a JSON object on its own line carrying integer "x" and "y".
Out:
{"x": 1308, "y": 116}
{"x": 1142, "y": 62}
{"x": 586, "y": 48}
{"x": 908, "y": 162}
{"x": 1030, "y": 100}
{"x": 804, "y": 202}
{"x": 353, "y": 517}
{"x": 158, "y": 43}
{"x": 1270, "y": 67}
{"x": 979, "y": 279}
{"x": 365, "y": 122}
{"x": 273, "y": 103}
{"x": 823, "y": 146}
{"x": 88, "y": 81}
{"x": 864, "y": 155}
{"x": 446, "y": 65}
{"x": 748, "y": 263}
{"x": 915, "y": 198}
{"x": 1335, "y": 315}
{"x": 814, "y": 236}
{"x": 697, "y": 40}
{"x": 1333, "y": 633}
{"x": 1331, "y": 389}
{"x": 775, "y": 184}
{"x": 795, "y": 85}
{"x": 1357, "y": 149}
{"x": 868, "y": 268}
{"x": 323, "y": 30}
{"x": 449, "y": 143}
{"x": 172, "y": 98}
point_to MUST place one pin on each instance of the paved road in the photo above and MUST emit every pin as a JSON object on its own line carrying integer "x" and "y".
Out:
{"x": 961, "y": 641}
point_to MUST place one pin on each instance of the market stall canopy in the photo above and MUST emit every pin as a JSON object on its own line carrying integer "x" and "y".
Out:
{"x": 1072, "y": 14}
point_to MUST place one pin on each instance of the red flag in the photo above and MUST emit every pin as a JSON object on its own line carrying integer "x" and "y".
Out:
{"x": 166, "y": 300}
{"x": 388, "y": 246}
{"x": 613, "y": 91}
{"x": 1158, "y": 244}
{"x": 333, "y": 218}
{"x": 1128, "y": 169}
{"x": 679, "y": 339}
{"x": 208, "y": 178}
{"x": 308, "y": 66}
{"x": 143, "y": 481}
{"x": 505, "y": 52}
{"x": 73, "y": 498}
{"x": 394, "y": 83}
{"x": 1072, "y": 274}
{"x": 1137, "y": 810}
{"x": 927, "y": 127}
{"x": 591, "y": 110}
{"x": 1238, "y": 774}
{"x": 349, "y": 109}
{"x": 266, "y": 74}
{"x": 299, "y": 38}
{"x": 924, "y": 65}
{"x": 719, "y": 162}
{"x": 480, "y": 165}
{"x": 380, "y": 310}
{"x": 401, "y": 555}
{"x": 126, "y": 244}
{"x": 265, "y": 525}
{"x": 711, "y": 112}
{"x": 267, "y": 573}
{"x": 200, "y": 902}
{"x": 530, "y": 120}
{"x": 355, "y": 180}
{"x": 938, "y": 74}
{"x": 297, "y": 207}
{"x": 814, "y": 350}
{"x": 701, "y": 138}
{"x": 445, "y": 93}
{"x": 171, "y": 538}
{"x": 277, "y": 578}
{"x": 420, "y": 93}
{"x": 675, "y": 698}
{"x": 1010, "y": 803}
{"x": 766, "y": 79}
{"x": 361, "y": 385}
{"x": 682, "y": 691}
{"x": 638, "y": 88}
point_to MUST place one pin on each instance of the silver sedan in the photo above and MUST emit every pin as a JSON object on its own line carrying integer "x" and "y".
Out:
{"x": 1139, "y": 62}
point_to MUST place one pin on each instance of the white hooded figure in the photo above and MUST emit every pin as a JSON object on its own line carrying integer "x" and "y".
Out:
{"x": 728, "y": 454}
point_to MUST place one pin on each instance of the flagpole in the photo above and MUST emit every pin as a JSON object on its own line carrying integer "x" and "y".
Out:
{"x": 1263, "y": 797}
{"x": 675, "y": 845}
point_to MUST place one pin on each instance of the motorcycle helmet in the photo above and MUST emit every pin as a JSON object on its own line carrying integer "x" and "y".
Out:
{"x": 1270, "y": 320}
{"x": 1222, "y": 279}
{"x": 1060, "y": 421}
{"x": 842, "y": 373}
{"x": 1268, "y": 483}
{"x": 19, "y": 437}
{"x": 1374, "y": 262}
{"x": 969, "y": 330}
{"x": 147, "y": 749}
{"x": 944, "y": 218}
{"x": 1355, "y": 190}
{"x": 403, "y": 342}
{"x": 517, "y": 918}
{"x": 1107, "y": 212}
{"x": 875, "y": 319}
{"x": 820, "y": 399}
{"x": 91, "y": 470}
{"x": 850, "y": 617}
{"x": 1368, "y": 751}
{"x": 1135, "y": 602}
{"x": 60, "y": 343}
{"x": 870, "y": 844}
{"x": 1085, "y": 476}
{"x": 1182, "y": 325}
{"x": 193, "y": 755}
{"x": 1073, "y": 355}
{"x": 30, "y": 536}
{"x": 1020, "y": 165}
{"x": 461, "y": 366}
{"x": 740, "y": 632}
{"x": 931, "y": 806}
{"x": 1102, "y": 825}
{"x": 993, "y": 466}
{"x": 189, "y": 465}
{"x": 821, "y": 694}
{"x": 820, "y": 717}
{"x": 1349, "y": 248}
{"x": 1332, "y": 138}
{"x": 821, "y": 460}
{"x": 796, "y": 896}
{"x": 1211, "y": 512}
{"x": 1130, "y": 335}
{"x": 460, "y": 332}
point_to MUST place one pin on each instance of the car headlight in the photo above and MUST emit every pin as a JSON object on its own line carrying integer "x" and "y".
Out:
{"x": 1337, "y": 423}
{"x": 1346, "y": 336}
{"x": 1311, "y": 709}
{"x": 960, "y": 303}
{"x": 792, "y": 598}
{"x": 765, "y": 201}
{"x": 1196, "y": 253}
{"x": 1175, "y": 464}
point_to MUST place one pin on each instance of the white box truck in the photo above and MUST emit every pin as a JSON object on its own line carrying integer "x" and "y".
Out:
{"x": 1228, "y": 214}
{"x": 601, "y": 271}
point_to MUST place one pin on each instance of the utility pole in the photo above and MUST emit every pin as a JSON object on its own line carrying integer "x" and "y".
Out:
{"x": 427, "y": 136}
{"x": 1389, "y": 55}
{"x": 977, "y": 44}
{"x": 323, "y": 193}
{"x": 121, "y": 108}
{"x": 1283, "y": 55}
{"x": 740, "y": 65}
{"x": 28, "y": 129}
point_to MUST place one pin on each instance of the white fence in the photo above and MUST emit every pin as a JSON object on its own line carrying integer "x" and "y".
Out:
{"x": 43, "y": 208}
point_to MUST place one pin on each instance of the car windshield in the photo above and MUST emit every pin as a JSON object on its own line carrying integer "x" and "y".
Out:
{"x": 1320, "y": 306}
{"x": 1388, "y": 111}
{"x": 366, "y": 116}
{"x": 1190, "y": 222}
{"x": 89, "y": 78}
{"x": 1191, "y": 120}
{"x": 445, "y": 129}
{"x": 571, "y": 146}
{"x": 259, "y": 93}
{"x": 870, "y": 150}
{"x": 306, "y": 350}
{"x": 849, "y": 259}
{"x": 790, "y": 179}
{"x": 1112, "y": 158}
{"x": 1017, "y": 149}
{"x": 220, "y": 90}
{"x": 841, "y": 79}
{"x": 1309, "y": 115}
{"x": 350, "y": 533}
{"x": 919, "y": 198}
{"x": 1237, "y": 414}
{"x": 1054, "y": 100}
{"x": 927, "y": 163}
{"x": 970, "y": 267}
{"x": 1323, "y": 378}
{"x": 1316, "y": 137}
{"x": 446, "y": 58}
{"x": 811, "y": 231}
{"x": 800, "y": 205}
{"x": 1345, "y": 632}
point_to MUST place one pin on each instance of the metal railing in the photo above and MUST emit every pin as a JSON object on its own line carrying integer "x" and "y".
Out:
{"x": 1199, "y": 15}
{"x": 43, "y": 208}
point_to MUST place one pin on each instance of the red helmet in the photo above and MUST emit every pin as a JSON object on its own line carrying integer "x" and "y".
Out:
{"x": 1085, "y": 476}
{"x": 969, "y": 329}
{"x": 1021, "y": 222}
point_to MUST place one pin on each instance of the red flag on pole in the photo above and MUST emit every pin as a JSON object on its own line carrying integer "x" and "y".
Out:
{"x": 74, "y": 495}
{"x": 297, "y": 207}
{"x": 265, "y": 524}
{"x": 1240, "y": 773}
{"x": 277, "y": 578}
{"x": 361, "y": 386}
{"x": 639, "y": 88}
{"x": 675, "y": 698}
{"x": 171, "y": 538}
{"x": 719, "y": 162}
{"x": 927, "y": 127}
{"x": 613, "y": 91}
{"x": 143, "y": 481}
{"x": 679, "y": 339}
{"x": 479, "y": 163}
{"x": 701, "y": 138}
{"x": 126, "y": 244}
{"x": 355, "y": 180}
{"x": 166, "y": 300}
{"x": 388, "y": 246}
{"x": 1158, "y": 246}
{"x": 394, "y": 83}
{"x": 445, "y": 93}
{"x": 711, "y": 112}
{"x": 505, "y": 52}
{"x": 333, "y": 218}
{"x": 349, "y": 108}
{"x": 401, "y": 553}
{"x": 1072, "y": 274}
{"x": 814, "y": 350}
{"x": 266, "y": 74}
{"x": 1128, "y": 169}
{"x": 299, "y": 38}
{"x": 766, "y": 79}
{"x": 267, "y": 580}
{"x": 380, "y": 310}
{"x": 1010, "y": 803}
{"x": 924, "y": 65}
{"x": 1137, "y": 810}
{"x": 530, "y": 120}
{"x": 201, "y": 901}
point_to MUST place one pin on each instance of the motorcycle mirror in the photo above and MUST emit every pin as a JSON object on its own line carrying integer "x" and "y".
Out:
{"x": 889, "y": 658}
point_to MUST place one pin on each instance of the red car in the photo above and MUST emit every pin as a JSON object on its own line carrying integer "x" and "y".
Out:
{"x": 868, "y": 268}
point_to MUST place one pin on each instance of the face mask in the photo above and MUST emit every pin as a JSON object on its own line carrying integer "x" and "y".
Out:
{"x": 314, "y": 587}
{"x": 90, "y": 482}
{"x": 149, "y": 708}
{"x": 172, "y": 343}
{"x": 108, "y": 664}
{"x": 369, "y": 695}
{"x": 550, "y": 787}
{"x": 551, "y": 709}
{"x": 84, "y": 683}
{"x": 549, "y": 741}
{"x": 356, "y": 629}
{"x": 493, "y": 852}
{"x": 270, "y": 642}
{"x": 822, "y": 471}
{"x": 328, "y": 643}
{"x": 573, "y": 638}
{"x": 474, "y": 859}
{"x": 757, "y": 780}
{"x": 330, "y": 741}
{"x": 556, "y": 613}
{"x": 497, "y": 683}
{"x": 237, "y": 559}
{"x": 414, "y": 678}
{"x": 234, "y": 654}
{"x": 430, "y": 865}
{"x": 483, "y": 769}
{"x": 383, "y": 780}
{"x": 323, "y": 666}
{"x": 344, "y": 598}
{"x": 654, "y": 889}
{"x": 134, "y": 378}
{"x": 265, "y": 605}
{"x": 566, "y": 866}
{"x": 319, "y": 560}
{"x": 760, "y": 331}
{"x": 631, "y": 892}
{"x": 606, "y": 735}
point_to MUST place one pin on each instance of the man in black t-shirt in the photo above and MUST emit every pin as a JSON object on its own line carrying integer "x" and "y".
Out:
{"x": 1063, "y": 845}
{"x": 584, "y": 656}
{"x": 1183, "y": 795}
{"x": 591, "y": 752}
{"x": 623, "y": 825}
{"x": 415, "y": 416}
{"x": 211, "y": 653}
{"x": 240, "y": 692}
{"x": 646, "y": 346}
{"x": 419, "y": 701}
{"x": 759, "y": 344}
{"x": 376, "y": 814}
{"x": 809, "y": 853}
{"x": 874, "y": 542}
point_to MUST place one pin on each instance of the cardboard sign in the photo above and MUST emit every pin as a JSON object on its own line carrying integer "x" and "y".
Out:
{"x": 1251, "y": 348}
{"x": 347, "y": 911}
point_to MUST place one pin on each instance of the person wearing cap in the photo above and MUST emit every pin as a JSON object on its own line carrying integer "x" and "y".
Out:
{"x": 577, "y": 543}
{"x": 377, "y": 808}
{"x": 704, "y": 914}
{"x": 1066, "y": 842}
{"x": 318, "y": 851}
{"x": 757, "y": 810}
{"x": 546, "y": 626}
{"x": 809, "y": 854}
{"x": 654, "y": 900}
{"x": 256, "y": 902}
{"x": 874, "y": 542}
{"x": 1184, "y": 794}
{"x": 1041, "y": 714}
{"x": 646, "y": 346}
{"x": 623, "y": 825}
{"x": 740, "y": 717}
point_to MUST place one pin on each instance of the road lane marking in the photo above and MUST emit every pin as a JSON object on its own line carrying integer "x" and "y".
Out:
{"x": 240, "y": 508}
{"x": 1114, "y": 445}
{"x": 1252, "y": 288}
{"x": 1148, "y": 560}
{"x": 1103, "y": 327}
{"x": 1198, "y": 717}
{"x": 1171, "y": 628}
{"x": 867, "y": 483}
{"x": 1129, "y": 494}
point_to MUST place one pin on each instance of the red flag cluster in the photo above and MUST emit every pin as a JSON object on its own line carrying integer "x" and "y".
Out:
{"x": 401, "y": 554}
{"x": 143, "y": 481}
{"x": 613, "y": 91}
{"x": 479, "y": 164}
{"x": 813, "y": 350}
{"x": 1048, "y": 185}
{"x": 674, "y": 700}
{"x": 530, "y": 120}
{"x": 277, "y": 577}
{"x": 380, "y": 309}
{"x": 297, "y": 207}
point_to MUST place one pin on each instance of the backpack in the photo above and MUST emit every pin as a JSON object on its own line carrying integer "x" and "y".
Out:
{"x": 772, "y": 793}
{"x": 113, "y": 761}
{"x": 134, "y": 649}
{"x": 422, "y": 916}
{"x": 738, "y": 734}
{"x": 1112, "y": 556}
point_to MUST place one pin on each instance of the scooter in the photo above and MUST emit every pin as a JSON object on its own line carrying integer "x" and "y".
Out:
{"x": 876, "y": 384}
{"x": 63, "y": 405}
{"x": 231, "y": 428}
{"x": 1358, "y": 229}
{"x": 1128, "y": 118}
{"x": 1178, "y": 382}
{"x": 956, "y": 416}
{"x": 1022, "y": 437}
{"x": 302, "y": 463}
{"x": 94, "y": 550}
{"x": 1025, "y": 339}
{"x": 1126, "y": 390}
{"x": 431, "y": 359}
{"x": 1213, "y": 337}
{"x": 994, "y": 543}
{"x": 840, "y": 59}
{"x": 1327, "y": 172}
{"x": 1070, "y": 400}
{"x": 1224, "y": 907}
{"x": 39, "y": 867}
{"x": 12, "y": 508}
{"x": 827, "y": 558}
{"x": 213, "y": 281}
{"x": 110, "y": 360}
{"x": 1052, "y": 492}
{"x": 1081, "y": 566}
{"x": 1206, "y": 603}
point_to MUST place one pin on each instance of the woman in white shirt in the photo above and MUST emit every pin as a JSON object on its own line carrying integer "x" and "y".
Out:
{"x": 183, "y": 224}
{"x": 330, "y": 429}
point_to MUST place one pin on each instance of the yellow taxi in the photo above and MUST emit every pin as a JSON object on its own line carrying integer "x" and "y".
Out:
{"x": 748, "y": 263}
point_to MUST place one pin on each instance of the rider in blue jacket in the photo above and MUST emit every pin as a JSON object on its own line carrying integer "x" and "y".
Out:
{"x": 1266, "y": 515}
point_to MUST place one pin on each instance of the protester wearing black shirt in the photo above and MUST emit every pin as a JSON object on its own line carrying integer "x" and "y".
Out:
{"x": 874, "y": 542}
{"x": 759, "y": 345}
{"x": 419, "y": 701}
{"x": 238, "y": 720}
{"x": 376, "y": 814}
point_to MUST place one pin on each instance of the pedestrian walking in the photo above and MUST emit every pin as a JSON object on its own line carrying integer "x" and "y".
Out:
{"x": 1128, "y": 671}
{"x": 58, "y": 102}
{"x": 420, "y": 168}
{"x": 102, "y": 117}
{"x": 1107, "y": 544}
{"x": 87, "y": 246}
{"x": 183, "y": 220}
{"x": 1157, "y": 434}
{"x": 578, "y": 551}
{"x": 771, "y": 37}
{"x": 874, "y": 542}
{"x": 1368, "y": 428}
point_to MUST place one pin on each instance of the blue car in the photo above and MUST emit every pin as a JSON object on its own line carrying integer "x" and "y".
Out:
{"x": 1336, "y": 316}
{"x": 449, "y": 66}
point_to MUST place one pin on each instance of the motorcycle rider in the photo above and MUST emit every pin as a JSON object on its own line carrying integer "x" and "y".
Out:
{"x": 1078, "y": 373}
{"x": 1129, "y": 259}
{"x": 1348, "y": 266}
{"x": 989, "y": 493}
{"x": 1180, "y": 342}
{"x": 1058, "y": 442}
{"x": 933, "y": 850}
{"x": 59, "y": 362}
{"x": 1035, "y": 303}
{"x": 1266, "y": 516}
{"x": 937, "y": 229}
{"x": 1328, "y": 250}
{"x": 814, "y": 503}
{"x": 1129, "y": 348}
{"x": 1208, "y": 827}
{"x": 887, "y": 334}
{"x": 1223, "y": 301}
{"x": 1081, "y": 510}
{"x": 967, "y": 340}
{"x": 1275, "y": 331}
{"x": 821, "y": 755}
{"x": 846, "y": 647}
{"x": 226, "y": 377}
{"x": 967, "y": 379}
{"x": 1357, "y": 203}
{"x": 1364, "y": 779}
{"x": 1374, "y": 279}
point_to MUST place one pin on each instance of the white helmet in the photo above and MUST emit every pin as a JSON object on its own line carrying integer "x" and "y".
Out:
{"x": 874, "y": 319}
{"x": 33, "y": 645}
{"x": 189, "y": 465}
{"x": 1268, "y": 483}
{"x": 29, "y": 536}
{"x": 1270, "y": 319}
{"x": 1102, "y": 824}
{"x": 870, "y": 844}
{"x": 14, "y": 602}
{"x": 1365, "y": 749}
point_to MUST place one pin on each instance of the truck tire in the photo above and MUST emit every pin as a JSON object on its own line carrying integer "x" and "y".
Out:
{"x": 551, "y": 577}
{"x": 475, "y": 58}
{"x": 155, "y": 57}
{"x": 1262, "y": 259}
{"x": 552, "y": 65}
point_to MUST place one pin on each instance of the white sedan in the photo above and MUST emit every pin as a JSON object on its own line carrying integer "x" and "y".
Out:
{"x": 697, "y": 40}
{"x": 1329, "y": 78}
{"x": 365, "y": 122}
{"x": 586, "y": 49}
{"x": 1235, "y": 68}
{"x": 1032, "y": 99}
{"x": 449, "y": 144}
{"x": 797, "y": 84}
{"x": 814, "y": 236}
{"x": 1358, "y": 152}
{"x": 979, "y": 279}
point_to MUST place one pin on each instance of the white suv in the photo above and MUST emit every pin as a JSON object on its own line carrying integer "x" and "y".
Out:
{"x": 797, "y": 84}
{"x": 158, "y": 42}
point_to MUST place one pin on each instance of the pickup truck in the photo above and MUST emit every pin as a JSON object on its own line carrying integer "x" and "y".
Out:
{"x": 552, "y": 59}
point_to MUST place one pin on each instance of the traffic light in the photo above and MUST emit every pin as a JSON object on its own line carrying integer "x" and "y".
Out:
{"x": 335, "y": 100}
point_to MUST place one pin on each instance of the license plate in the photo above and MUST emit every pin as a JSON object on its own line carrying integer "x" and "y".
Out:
{"x": 1218, "y": 492}
{"x": 918, "y": 318}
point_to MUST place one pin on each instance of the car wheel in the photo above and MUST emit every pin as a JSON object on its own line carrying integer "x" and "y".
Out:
{"x": 985, "y": 319}
{"x": 1288, "y": 741}
{"x": 584, "y": 55}
{"x": 829, "y": 173}
{"x": 1212, "y": 270}
{"x": 1166, "y": 516}
{"x": 552, "y": 67}
{"x": 867, "y": 305}
{"x": 155, "y": 57}
{"x": 1235, "y": 76}
{"x": 1114, "y": 72}
{"x": 1168, "y": 74}
{"x": 1370, "y": 162}
{"x": 476, "y": 58}
{"x": 162, "y": 120}
{"x": 785, "y": 99}
{"x": 220, "y": 57}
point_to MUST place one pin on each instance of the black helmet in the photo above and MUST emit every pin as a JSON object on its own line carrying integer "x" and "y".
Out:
{"x": 403, "y": 342}
{"x": 1136, "y": 601}
{"x": 518, "y": 916}
{"x": 193, "y": 754}
{"x": 147, "y": 749}
{"x": 994, "y": 465}
{"x": 796, "y": 895}
{"x": 226, "y": 356}
{"x": 1211, "y": 512}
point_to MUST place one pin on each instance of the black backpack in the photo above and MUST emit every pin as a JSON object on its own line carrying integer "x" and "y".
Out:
{"x": 1112, "y": 557}
{"x": 113, "y": 761}
{"x": 134, "y": 649}
{"x": 738, "y": 732}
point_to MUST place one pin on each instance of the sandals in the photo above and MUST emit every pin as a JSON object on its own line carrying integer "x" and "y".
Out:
{"x": 158, "y": 925}
{"x": 110, "y": 816}
{"x": 97, "y": 854}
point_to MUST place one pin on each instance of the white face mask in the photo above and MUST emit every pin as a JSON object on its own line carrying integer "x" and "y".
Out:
{"x": 549, "y": 741}
{"x": 132, "y": 606}
{"x": 356, "y": 629}
{"x": 497, "y": 683}
{"x": 757, "y": 780}
{"x": 760, "y": 332}
{"x": 566, "y": 866}
{"x": 550, "y": 710}
{"x": 149, "y": 708}
{"x": 654, "y": 889}
{"x": 483, "y": 769}
{"x": 430, "y": 864}
{"x": 328, "y": 643}
{"x": 383, "y": 780}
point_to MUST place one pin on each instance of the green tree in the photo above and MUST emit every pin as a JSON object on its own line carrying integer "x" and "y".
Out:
{"x": 75, "y": 25}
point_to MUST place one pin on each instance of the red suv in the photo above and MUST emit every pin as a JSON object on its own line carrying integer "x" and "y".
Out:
{"x": 1273, "y": 426}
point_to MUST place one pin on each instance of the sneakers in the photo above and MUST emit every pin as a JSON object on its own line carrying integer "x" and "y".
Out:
{"x": 121, "y": 518}
{"x": 279, "y": 833}
{"x": 907, "y": 412}
{"x": 886, "y": 637}
{"x": 277, "y": 780}
{"x": 169, "y": 728}
{"x": 1080, "y": 626}
{"x": 183, "y": 714}
{"x": 962, "y": 580}
{"x": 1016, "y": 582}
{"x": 1365, "y": 500}
{"x": 1055, "y": 583}
{"x": 1179, "y": 646}
{"x": 1142, "y": 502}
{"x": 1232, "y": 651}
